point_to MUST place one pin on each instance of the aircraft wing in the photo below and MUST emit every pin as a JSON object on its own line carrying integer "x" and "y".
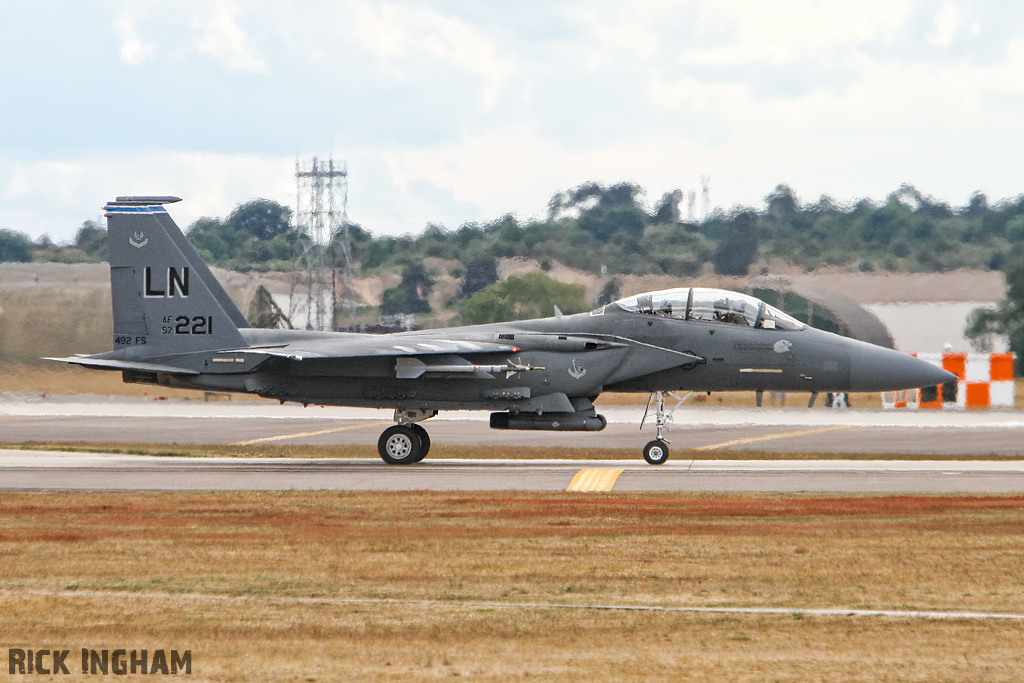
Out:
{"x": 364, "y": 346}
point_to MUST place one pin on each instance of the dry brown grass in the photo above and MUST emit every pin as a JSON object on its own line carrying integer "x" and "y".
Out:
{"x": 51, "y": 378}
{"x": 255, "y": 584}
{"x": 56, "y": 321}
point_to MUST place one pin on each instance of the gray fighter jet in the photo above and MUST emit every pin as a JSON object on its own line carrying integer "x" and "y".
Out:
{"x": 175, "y": 326}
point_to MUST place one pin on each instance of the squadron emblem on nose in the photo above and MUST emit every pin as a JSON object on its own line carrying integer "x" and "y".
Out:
{"x": 138, "y": 239}
{"x": 783, "y": 346}
{"x": 576, "y": 370}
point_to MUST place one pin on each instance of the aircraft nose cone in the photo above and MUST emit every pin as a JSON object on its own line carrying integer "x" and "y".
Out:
{"x": 873, "y": 368}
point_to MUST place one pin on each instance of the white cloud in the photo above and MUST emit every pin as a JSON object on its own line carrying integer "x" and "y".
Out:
{"x": 134, "y": 50}
{"x": 401, "y": 36}
{"x": 780, "y": 33}
{"x": 616, "y": 33}
{"x": 223, "y": 39}
{"x": 947, "y": 24}
{"x": 74, "y": 190}
{"x": 451, "y": 112}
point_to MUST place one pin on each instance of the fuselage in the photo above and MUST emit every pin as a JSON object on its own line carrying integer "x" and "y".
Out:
{"x": 609, "y": 349}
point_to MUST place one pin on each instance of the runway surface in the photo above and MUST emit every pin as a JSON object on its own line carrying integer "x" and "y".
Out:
{"x": 772, "y": 429}
{"x": 38, "y": 471}
{"x": 968, "y": 435}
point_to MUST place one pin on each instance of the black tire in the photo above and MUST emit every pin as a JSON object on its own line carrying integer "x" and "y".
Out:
{"x": 424, "y": 440}
{"x": 656, "y": 452}
{"x": 399, "y": 445}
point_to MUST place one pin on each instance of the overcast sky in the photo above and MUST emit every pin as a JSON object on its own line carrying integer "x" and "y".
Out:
{"x": 460, "y": 111}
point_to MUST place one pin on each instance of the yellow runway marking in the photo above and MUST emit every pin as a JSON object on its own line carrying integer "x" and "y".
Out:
{"x": 594, "y": 480}
{"x": 769, "y": 437}
{"x": 282, "y": 437}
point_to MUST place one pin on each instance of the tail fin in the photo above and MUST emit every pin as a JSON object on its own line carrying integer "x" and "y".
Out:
{"x": 164, "y": 296}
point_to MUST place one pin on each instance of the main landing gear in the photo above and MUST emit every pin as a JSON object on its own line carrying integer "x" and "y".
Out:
{"x": 656, "y": 452}
{"x": 406, "y": 442}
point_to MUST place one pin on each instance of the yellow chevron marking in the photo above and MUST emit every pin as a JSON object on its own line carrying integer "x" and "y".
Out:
{"x": 594, "y": 480}
{"x": 770, "y": 437}
{"x": 282, "y": 437}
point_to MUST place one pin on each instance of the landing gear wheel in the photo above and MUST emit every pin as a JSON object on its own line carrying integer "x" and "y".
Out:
{"x": 656, "y": 452}
{"x": 424, "y": 440}
{"x": 400, "y": 445}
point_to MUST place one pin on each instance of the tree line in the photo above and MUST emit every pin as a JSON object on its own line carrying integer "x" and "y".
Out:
{"x": 610, "y": 229}
{"x": 596, "y": 227}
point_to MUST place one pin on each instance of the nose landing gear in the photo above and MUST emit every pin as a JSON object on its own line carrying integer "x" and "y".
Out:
{"x": 656, "y": 452}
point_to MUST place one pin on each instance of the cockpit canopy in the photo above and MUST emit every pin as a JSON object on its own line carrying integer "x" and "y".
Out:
{"x": 711, "y": 305}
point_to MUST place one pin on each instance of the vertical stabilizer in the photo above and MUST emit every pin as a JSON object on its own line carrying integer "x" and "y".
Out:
{"x": 164, "y": 297}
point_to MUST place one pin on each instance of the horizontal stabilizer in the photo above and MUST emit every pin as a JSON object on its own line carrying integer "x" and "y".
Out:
{"x": 111, "y": 364}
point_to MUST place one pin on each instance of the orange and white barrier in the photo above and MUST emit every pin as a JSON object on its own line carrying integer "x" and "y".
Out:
{"x": 984, "y": 380}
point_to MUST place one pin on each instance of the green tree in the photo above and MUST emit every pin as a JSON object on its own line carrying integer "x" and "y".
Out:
{"x": 603, "y": 209}
{"x": 378, "y": 251}
{"x": 1006, "y": 319}
{"x": 667, "y": 210}
{"x": 521, "y": 297}
{"x": 410, "y": 296}
{"x": 479, "y": 273}
{"x": 977, "y": 205}
{"x": 782, "y": 203}
{"x": 610, "y": 292}
{"x": 1015, "y": 229}
{"x": 604, "y": 223}
{"x": 397, "y": 300}
{"x": 91, "y": 239}
{"x": 15, "y": 246}
{"x": 264, "y": 219}
{"x": 739, "y": 248}
{"x": 215, "y": 239}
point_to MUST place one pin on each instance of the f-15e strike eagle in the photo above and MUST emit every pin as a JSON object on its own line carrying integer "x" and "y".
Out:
{"x": 175, "y": 326}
